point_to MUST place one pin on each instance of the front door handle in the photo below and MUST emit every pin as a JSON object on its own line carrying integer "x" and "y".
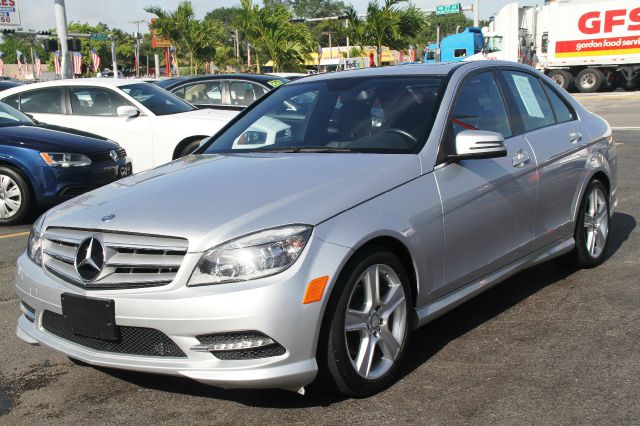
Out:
{"x": 520, "y": 158}
{"x": 575, "y": 137}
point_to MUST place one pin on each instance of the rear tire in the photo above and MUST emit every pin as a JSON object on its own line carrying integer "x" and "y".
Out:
{"x": 366, "y": 332}
{"x": 590, "y": 80}
{"x": 189, "y": 148}
{"x": 563, "y": 78}
{"x": 592, "y": 227}
{"x": 15, "y": 197}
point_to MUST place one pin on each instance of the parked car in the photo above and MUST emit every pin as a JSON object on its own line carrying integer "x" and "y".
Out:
{"x": 222, "y": 91}
{"x": 43, "y": 165}
{"x": 398, "y": 194}
{"x": 8, "y": 84}
{"x": 153, "y": 125}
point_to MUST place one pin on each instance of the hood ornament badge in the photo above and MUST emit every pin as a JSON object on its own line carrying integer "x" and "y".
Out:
{"x": 108, "y": 217}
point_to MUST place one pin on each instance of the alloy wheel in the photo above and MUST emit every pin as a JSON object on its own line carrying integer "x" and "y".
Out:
{"x": 596, "y": 222}
{"x": 375, "y": 321}
{"x": 10, "y": 197}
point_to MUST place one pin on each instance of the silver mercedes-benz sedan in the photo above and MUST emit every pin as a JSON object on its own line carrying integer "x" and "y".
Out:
{"x": 311, "y": 235}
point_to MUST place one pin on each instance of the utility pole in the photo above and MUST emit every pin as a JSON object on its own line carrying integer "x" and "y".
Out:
{"x": 113, "y": 55}
{"x": 61, "y": 29}
{"x": 476, "y": 13}
{"x": 137, "y": 47}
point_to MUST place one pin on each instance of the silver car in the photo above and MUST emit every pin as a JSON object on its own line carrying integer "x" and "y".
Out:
{"x": 324, "y": 224}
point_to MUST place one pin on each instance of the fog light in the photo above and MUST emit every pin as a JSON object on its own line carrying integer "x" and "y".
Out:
{"x": 233, "y": 345}
{"x": 28, "y": 311}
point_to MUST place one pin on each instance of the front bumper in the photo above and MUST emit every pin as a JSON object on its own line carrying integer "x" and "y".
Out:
{"x": 272, "y": 306}
{"x": 57, "y": 184}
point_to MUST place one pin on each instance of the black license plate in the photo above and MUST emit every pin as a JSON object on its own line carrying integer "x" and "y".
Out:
{"x": 90, "y": 317}
{"x": 125, "y": 170}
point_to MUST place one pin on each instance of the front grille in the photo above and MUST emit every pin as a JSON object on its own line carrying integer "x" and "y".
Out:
{"x": 274, "y": 349}
{"x": 106, "y": 155}
{"x": 131, "y": 260}
{"x": 132, "y": 341}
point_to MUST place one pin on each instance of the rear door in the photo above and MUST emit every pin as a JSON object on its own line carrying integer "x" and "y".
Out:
{"x": 488, "y": 204}
{"x": 243, "y": 93}
{"x": 94, "y": 109}
{"x": 550, "y": 125}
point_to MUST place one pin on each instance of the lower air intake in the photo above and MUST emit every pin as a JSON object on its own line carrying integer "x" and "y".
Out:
{"x": 132, "y": 341}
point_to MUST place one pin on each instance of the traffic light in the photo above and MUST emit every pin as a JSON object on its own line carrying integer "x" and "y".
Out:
{"x": 7, "y": 31}
{"x": 73, "y": 44}
{"x": 50, "y": 45}
{"x": 298, "y": 20}
{"x": 44, "y": 33}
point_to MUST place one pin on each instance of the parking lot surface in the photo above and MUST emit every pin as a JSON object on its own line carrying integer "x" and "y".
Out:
{"x": 550, "y": 345}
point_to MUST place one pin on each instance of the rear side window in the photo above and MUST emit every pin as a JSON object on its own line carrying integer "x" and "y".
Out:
{"x": 43, "y": 101}
{"x": 532, "y": 103}
{"x": 480, "y": 106}
{"x": 560, "y": 107}
{"x": 13, "y": 101}
{"x": 244, "y": 93}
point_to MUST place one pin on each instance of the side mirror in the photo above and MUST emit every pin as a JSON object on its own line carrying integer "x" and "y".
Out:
{"x": 127, "y": 111}
{"x": 478, "y": 144}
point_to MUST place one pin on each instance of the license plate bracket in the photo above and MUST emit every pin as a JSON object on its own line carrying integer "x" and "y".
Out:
{"x": 90, "y": 316}
{"x": 125, "y": 170}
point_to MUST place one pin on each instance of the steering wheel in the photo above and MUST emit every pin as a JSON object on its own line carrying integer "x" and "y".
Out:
{"x": 401, "y": 133}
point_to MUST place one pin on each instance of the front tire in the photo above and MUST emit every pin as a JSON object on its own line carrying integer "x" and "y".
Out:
{"x": 367, "y": 335}
{"x": 15, "y": 197}
{"x": 592, "y": 227}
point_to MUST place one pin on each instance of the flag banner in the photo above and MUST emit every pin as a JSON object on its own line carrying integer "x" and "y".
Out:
{"x": 174, "y": 63}
{"x": 56, "y": 62}
{"x": 77, "y": 63}
{"x": 95, "y": 59}
{"x": 1, "y": 64}
{"x": 18, "y": 55}
{"x": 37, "y": 64}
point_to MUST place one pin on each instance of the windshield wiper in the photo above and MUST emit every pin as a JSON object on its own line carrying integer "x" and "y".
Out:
{"x": 296, "y": 149}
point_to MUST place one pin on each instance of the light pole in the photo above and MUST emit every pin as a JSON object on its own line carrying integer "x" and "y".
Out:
{"x": 476, "y": 13}
{"x": 61, "y": 29}
{"x": 137, "y": 48}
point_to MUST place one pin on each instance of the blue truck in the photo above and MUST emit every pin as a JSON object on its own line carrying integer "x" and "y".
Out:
{"x": 456, "y": 47}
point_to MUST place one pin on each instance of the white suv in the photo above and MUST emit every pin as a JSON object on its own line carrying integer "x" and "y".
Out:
{"x": 153, "y": 125}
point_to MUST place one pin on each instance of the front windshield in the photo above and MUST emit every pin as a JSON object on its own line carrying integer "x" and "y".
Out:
{"x": 157, "y": 100}
{"x": 373, "y": 114}
{"x": 12, "y": 117}
{"x": 493, "y": 44}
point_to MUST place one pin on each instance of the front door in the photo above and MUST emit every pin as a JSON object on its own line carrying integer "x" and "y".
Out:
{"x": 94, "y": 109}
{"x": 488, "y": 204}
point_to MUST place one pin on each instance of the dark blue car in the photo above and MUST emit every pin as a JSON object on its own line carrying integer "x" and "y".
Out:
{"x": 43, "y": 165}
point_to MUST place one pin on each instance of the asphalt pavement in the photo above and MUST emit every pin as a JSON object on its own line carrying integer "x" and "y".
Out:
{"x": 552, "y": 345}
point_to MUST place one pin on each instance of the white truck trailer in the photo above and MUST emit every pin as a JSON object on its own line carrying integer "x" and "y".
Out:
{"x": 590, "y": 44}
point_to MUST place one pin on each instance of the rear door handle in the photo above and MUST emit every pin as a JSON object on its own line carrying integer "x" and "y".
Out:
{"x": 520, "y": 158}
{"x": 575, "y": 137}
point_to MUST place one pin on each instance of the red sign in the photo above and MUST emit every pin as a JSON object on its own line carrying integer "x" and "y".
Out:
{"x": 606, "y": 22}
{"x": 158, "y": 42}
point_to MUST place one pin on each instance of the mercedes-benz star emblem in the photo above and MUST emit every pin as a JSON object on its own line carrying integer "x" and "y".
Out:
{"x": 108, "y": 217}
{"x": 90, "y": 259}
{"x": 113, "y": 155}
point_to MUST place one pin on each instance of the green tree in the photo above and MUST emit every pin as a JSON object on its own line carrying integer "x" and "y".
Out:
{"x": 271, "y": 31}
{"x": 385, "y": 25}
{"x": 449, "y": 24}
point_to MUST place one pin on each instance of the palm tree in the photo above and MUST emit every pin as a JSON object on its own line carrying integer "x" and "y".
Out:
{"x": 269, "y": 29}
{"x": 386, "y": 25}
{"x": 199, "y": 39}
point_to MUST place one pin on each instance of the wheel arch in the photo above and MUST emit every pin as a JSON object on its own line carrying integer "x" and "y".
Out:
{"x": 19, "y": 168}
{"x": 600, "y": 175}
{"x": 183, "y": 143}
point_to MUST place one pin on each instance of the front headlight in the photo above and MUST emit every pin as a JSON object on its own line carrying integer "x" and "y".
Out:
{"x": 34, "y": 245}
{"x": 62, "y": 159}
{"x": 258, "y": 255}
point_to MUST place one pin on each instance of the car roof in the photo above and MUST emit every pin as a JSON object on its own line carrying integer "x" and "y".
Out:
{"x": 261, "y": 78}
{"x": 95, "y": 81}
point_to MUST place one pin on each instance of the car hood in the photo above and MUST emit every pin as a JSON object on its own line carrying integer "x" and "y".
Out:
{"x": 209, "y": 199}
{"x": 50, "y": 138}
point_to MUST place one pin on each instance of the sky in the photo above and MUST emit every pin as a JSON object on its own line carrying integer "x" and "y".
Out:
{"x": 38, "y": 14}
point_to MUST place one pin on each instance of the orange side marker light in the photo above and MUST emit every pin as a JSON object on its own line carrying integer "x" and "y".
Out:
{"x": 315, "y": 290}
